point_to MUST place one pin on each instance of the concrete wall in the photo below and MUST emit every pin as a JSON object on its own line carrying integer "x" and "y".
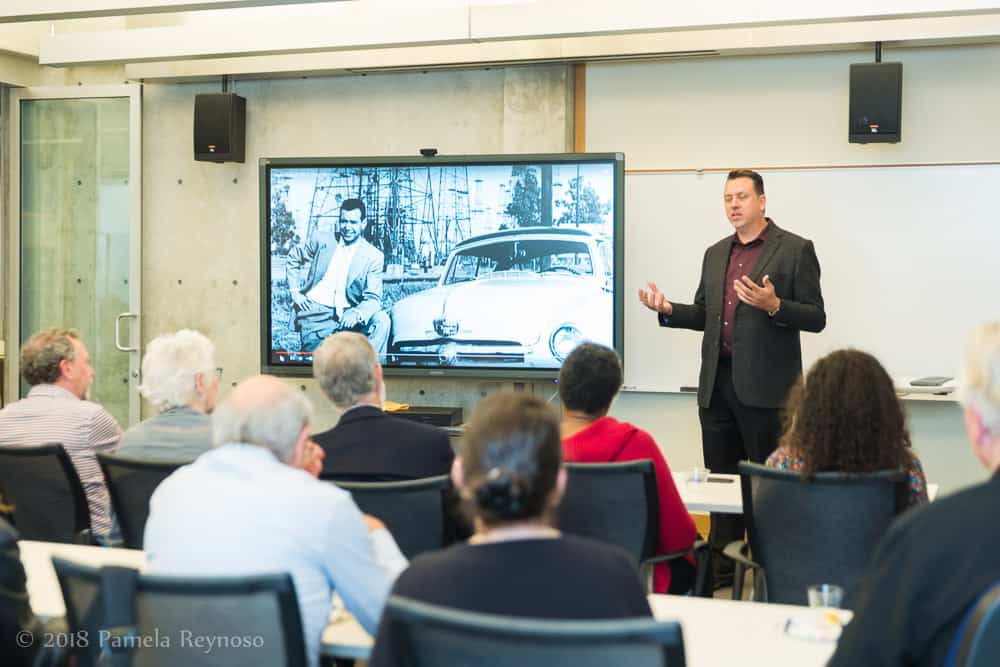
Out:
{"x": 201, "y": 229}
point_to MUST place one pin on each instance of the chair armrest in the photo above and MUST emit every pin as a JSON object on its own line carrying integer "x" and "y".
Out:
{"x": 737, "y": 552}
{"x": 699, "y": 549}
{"x": 673, "y": 555}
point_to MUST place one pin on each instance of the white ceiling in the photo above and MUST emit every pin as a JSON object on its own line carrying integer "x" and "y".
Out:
{"x": 153, "y": 39}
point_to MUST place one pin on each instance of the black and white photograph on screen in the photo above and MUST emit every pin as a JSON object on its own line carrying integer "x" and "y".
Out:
{"x": 501, "y": 266}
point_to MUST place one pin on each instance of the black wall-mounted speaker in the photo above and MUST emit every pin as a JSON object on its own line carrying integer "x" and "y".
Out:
{"x": 220, "y": 127}
{"x": 876, "y": 104}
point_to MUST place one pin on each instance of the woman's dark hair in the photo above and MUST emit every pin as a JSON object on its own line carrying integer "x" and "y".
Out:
{"x": 845, "y": 416}
{"x": 590, "y": 378}
{"x": 511, "y": 455}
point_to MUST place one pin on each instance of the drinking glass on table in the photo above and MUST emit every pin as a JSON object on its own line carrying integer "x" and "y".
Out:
{"x": 825, "y": 595}
{"x": 698, "y": 475}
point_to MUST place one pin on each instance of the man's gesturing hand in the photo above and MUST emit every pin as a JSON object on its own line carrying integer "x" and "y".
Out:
{"x": 758, "y": 296}
{"x": 654, "y": 299}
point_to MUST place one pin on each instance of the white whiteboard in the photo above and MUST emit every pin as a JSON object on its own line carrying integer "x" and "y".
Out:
{"x": 909, "y": 260}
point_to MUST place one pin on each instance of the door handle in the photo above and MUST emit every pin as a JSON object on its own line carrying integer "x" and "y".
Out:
{"x": 118, "y": 322}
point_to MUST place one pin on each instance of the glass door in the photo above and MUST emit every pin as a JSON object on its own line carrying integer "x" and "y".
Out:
{"x": 76, "y": 185}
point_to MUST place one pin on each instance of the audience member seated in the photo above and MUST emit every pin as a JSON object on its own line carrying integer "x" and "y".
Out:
{"x": 588, "y": 382}
{"x": 245, "y": 507}
{"x": 934, "y": 563}
{"x": 367, "y": 444}
{"x": 56, "y": 364}
{"x": 180, "y": 379}
{"x": 845, "y": 417}
{"x": 510, "y": 474}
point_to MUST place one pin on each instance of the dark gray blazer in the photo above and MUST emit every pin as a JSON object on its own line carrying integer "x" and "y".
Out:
{"x": 369, "y": 445}
{"x": 767, "y": 354}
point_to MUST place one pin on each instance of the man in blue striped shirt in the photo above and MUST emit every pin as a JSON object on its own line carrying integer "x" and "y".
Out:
{"x": 56, "y": 364}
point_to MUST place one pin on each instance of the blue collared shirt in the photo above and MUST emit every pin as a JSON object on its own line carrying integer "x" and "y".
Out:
{"x": 237, "y": 510}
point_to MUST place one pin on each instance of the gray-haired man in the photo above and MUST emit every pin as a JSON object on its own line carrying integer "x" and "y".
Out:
{"x": 248, "y": 507}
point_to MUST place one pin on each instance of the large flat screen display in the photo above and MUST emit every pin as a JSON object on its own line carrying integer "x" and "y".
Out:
{"x": 493, "y": 266}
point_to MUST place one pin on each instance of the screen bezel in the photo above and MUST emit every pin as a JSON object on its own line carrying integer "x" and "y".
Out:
{"x": 517, "y": 374}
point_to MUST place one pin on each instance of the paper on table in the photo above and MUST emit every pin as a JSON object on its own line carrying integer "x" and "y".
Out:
{"x": 818, "y": 625}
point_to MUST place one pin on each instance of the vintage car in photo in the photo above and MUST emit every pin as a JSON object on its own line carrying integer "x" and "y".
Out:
{"x": 519, "y": 297}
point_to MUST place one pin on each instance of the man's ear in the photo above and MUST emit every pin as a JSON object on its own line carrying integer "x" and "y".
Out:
{"x": 457, "y": 474}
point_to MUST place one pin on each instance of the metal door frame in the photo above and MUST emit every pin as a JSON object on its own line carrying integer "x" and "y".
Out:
{"x": 132, "y": 344}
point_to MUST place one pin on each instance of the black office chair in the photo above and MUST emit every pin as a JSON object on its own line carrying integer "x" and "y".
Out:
{"x": 260, "y": 612}
{"x": 618, "y": 503}
{"x": 820, "y": 531}
{"x": 979, "y": 640}
{"x": 131, "y": 482}
{"x": 49, "y": 502}
{"x": 416, "y": 512}
{"x": 417, "y": 633}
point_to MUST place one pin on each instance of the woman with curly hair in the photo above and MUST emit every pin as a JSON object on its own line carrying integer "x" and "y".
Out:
{"x": 845, "y": 417}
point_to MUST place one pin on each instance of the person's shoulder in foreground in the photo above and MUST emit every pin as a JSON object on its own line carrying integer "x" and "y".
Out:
{"x": 938, "y": 559}
{"x": 922, "y": 580}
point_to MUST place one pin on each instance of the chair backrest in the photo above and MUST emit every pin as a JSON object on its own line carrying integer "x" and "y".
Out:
{"x": 414, "y": 511}
{"x": 425, "y": 634}
{"x": 48, "y": 498}
{"x": 249, "y": 620}
{"x": 820, "y": 531}
{"x": 131, "y": 482}
{"x": 612, "y": 502}
{"x": 979, "y": 641}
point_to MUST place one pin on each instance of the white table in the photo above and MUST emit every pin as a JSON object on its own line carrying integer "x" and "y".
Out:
{"x": 716, "y": 632}
{"x": 727, "y": 632}
{"x": 725, "y": 497}
{"x": 754, "y": 631}
{"x": 43, "y": 586}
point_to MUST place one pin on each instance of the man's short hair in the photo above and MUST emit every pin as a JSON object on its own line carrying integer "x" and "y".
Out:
{"x": 170, "y": 364}
{"x": 590, "y": 378}
{"x": 270, "y": 417}
{"x": 758, "y": 181}
{"x": 344, "y": 365}
{"x": 352, "y": 204}
{"x": 43, "y": 352}
{"x": 981, "y": 384}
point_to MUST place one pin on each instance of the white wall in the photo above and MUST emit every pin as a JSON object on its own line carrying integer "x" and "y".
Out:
{"x": 792, "y": 111}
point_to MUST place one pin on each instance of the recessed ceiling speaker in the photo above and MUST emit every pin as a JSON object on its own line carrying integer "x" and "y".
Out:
{"x": 220, "y": 127}
{"x": 876, "y": 103}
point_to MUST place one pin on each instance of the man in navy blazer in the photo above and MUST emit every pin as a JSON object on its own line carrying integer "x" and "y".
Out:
{"x": 759, "y": 288}
{"x": 368, "y": 444}
{"x": 335, "y": 282}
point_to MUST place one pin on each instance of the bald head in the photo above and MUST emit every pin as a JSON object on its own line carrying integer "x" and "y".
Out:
{"x": 262, "y": 411}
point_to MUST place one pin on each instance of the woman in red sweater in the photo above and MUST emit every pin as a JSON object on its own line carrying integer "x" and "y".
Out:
{"x": 588, "y": 381}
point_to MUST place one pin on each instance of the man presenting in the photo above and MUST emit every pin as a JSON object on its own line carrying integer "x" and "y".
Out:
{"x": 758, "y": 289}
{"x": 336, "y": 285}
